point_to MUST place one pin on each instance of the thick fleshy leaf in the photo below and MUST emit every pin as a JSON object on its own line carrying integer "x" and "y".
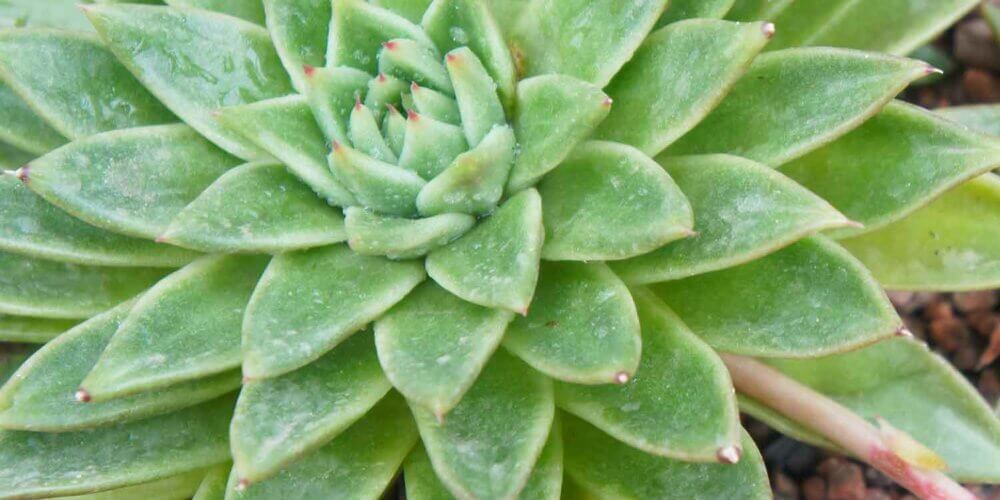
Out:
{"x": 11, "y": 359}
{"x": 12, "y": 158}
{"x": 476, "y": 95}
{"x": 410, "y": 9}
{"x": 742, "y": 210}
{"x": 809, "y": 299}
{"x": 48, "y": 289}
{"x": 496, "y": 263}
{"x": 360, "y": 463}
{"x": 430, "y": 146}
{"x": 93, "y": 92}
{"x": 33, "y": 227}
{"x": 410, "y": 61}
{"x": 365, "y": 134}
{"x": 679, "y": 403}
{"x": 757, "y": 10}
{"x": 554, "y": 114}
{"x": 41, "y": 395}
{"x": 177, "y": 487}
{"x": 358, "y": 31}
{"x": 185, "y": 328}
{"x": 419, "y": 478}
{"x": 609, "y": 201}
{"x": 951, "y": 244}
{"x": 248, "y": 10}
{"x": 488, "y": 445}
{"x": 608, "y": 468}
{"x": 676, "y": 78}
{"x": 21, "y": 127}
{"x": 114, "y": 456}
{"x": 377, "y": 185}
{"x": 893, "y": 164}
{"x": 903, "y": 382}
{"x": 213, "y": 485}
{"x": 55, "y": 13}
{"x": 983, "y": 118}
{"x": 785, "y": 107}
{"x": 474, "y": 182}
{"x": 332, "y": 94}
{"x": 369, "y": 233}
{"x": 586, "y": 39}
{"x": 195, "y": 62}
{"x": 299, "y": 30}
{"x": 97, "y": 179}
{"x": 308, "y": 302}
{"x": 582, "y": 326}
{"x": 679, "y": 10}
{"x": 25, "y": 329}
{"x": 280, "y": 420}
{"x": 435, "y": 104}
{"x": 433, "y": 345}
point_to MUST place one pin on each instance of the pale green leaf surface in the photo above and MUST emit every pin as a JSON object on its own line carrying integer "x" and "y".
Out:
{"x": 411, "y": 62}
{"x": 32, "y": 330}
{"x": 213, "y": 485}
{"x": 803, "y": 21}
{"x": 12, "y": 158}
{"x": 475, "y": 93}
{"x": 474, "y": 182}
{"x": 299, "y": 30}
{"x": 437, "y": 105}
{"x": 376, "y": 185}
{"x": 248, "y": 10}
{"x": 984, "y": 118}
{"x": 679, "y": 10}
{"x": 21, "y": 127}
{"x": 757, "y": 10}
{"x": 11, "y": 359}
{"x": 430, "y": 145}
{"x": 55, "y": 13}
{"x": 332, "y": 94}
{"x": 419, "y": 478}
{"x": 410, "y": 9}
{"x": 358, "y": 31}
{"x": 369, "y": 233}
{"x": 178, "y": 487}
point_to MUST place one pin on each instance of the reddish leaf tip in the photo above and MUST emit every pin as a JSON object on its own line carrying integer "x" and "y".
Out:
{"x": 392, "y": 109}
{"x": 308, "y": 70}
{"x": 390, "y": 45}
{"x": 930, "y": 70}
{"x": 242, "y": 484}
{"x": 622, "y": 378}
{"x": 451, "y": 58}
{"x": 82, "y": 395}
{"x": 381, "y": 78}
{"x": 23, "y": 173}
{"x": 768, "y": 30}
{"x": 905, "y": 332}
{"x": 412, "y": 115}
{"x": 607, "y": 102}
{"x": 335, "y": 145}
{"x": 357, "y": 103}
{"x": 729, "y": 454}
{"x": 414, "y": 87}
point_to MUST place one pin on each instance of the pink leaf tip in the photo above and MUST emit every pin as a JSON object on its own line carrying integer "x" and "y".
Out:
{"x": 242, "y": 484}
{"x": 622, "y": 378}
{"x": 390, "y": 45}
{"x": 412, "y": 115}
{"x": 82, "y": 395}
{"x": 729, "y": 454}
{"x": 768, "y": 30}
{"x": 308, "y": 70}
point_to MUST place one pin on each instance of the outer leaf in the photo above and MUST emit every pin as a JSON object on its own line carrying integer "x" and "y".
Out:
{"x": 93, "y": 92}
{"x": 359, "y": 29}
{"x": 742, "y": 211}
{"x": 377, "y": 185}
{"x": 492, "y": 439}
{"x": 679, "y": 10}
{"x": 757, "y": 10}
{"x": 11, "y": 157}
{"x": 31, "y": 330}
{"x": 433, "y": 345}
{"x": 586, "y": 39}
{"x": 951, "y": 244}
{"x": 983, "y": 118}
{"x": 11, "y": 358}
{"x": 476, "y": 94}
{"x": 213, "y": 486}
{"x": 677, "y": 77}
{"x": 195, "y": 62}
{"x": 582, "y": 328}
{"x": 56, "y": 13}
{"x": 419, "y": 478}
{"x": 410, "y": 9}
{"x": 22, "y": 128}
{"x": 308, "y": 302}
{"x": 785, "y": 107}
{"x": 496, "y": 263}
{"x": 610, "y": 469}
{"x": 299, "y": 30}
{"x": 94, "y": 179}
{"x": 177, "y": 487}
{"x": 184, "y": 328}
{"x": 680, "y": 402}
{"x": 893, "y": 164}
{"x": 249, "y": 10}
{"x": 609, "y": 201}
{"x": 808, "y": 299}
{"x": 904, "y": 383}
{"x": 281, "y": 420}
{"x": 34, "y": 287}
{"x": 332, "y": 94}
{"x": 400, "y": 238}
{"x": 114, "y": 456}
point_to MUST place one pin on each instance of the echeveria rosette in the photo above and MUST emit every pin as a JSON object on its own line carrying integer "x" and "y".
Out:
{"x": 442, "y": 236}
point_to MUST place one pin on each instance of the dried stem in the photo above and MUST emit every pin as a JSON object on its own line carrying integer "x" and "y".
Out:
{"x": 838, "y": 424}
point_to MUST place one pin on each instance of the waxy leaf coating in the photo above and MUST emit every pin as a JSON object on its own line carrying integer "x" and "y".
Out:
{"x": 20, "y": 127}
{"x": 369, "y": 233}
{"x": 26, "y": 329}
{"x": 298, "y": 29}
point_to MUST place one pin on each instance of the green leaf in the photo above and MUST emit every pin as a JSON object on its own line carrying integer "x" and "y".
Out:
{"x": 679, "y": 403}
{"x": 55, "y": 13}
{"x": 430, "y": 146}
{"x": 903, "y": 382}
{"x": 893, "y": 164}
{"x": 360, "y": 463}
{"x": 609, "y": 201}
{"x": 984, "y": 118}
{"x": 248, "y": 10}
{"x": 420, "y": 480}
{"x": 12, "y": 158}
{"x": 213, "y": 486}
{"x": 410, "y": 61}
{"x": 32, "y": 227}
{"x": 435, "y": 104}
{"x": 170, "y": 488}
{"x": 474, "y": 182}
{"x": 195, "y": 62}
{"x": 377, "y": 185}
{"x": 785, "y": 107}
{"x": 358, "y": 31}
{"x": 22, "y": 128}
{"x": 48, "y": 289}
{"x": 412, "y": 10}
{"x": 490, "y": 442}
{"x": 743, "y": 210}
{"x": 679, "y": 10}
{"x": 555, "y": 113}
{"x": 366, "y": 134}
{"x": 93, "y": 92}
{"x": 308, "y": 302}
{"x": 285, "y": 128}
{"x": 299, "y": 29}
{"x": 332, "y": 94}
{"x": 496, "y": 263}
{"x": 26, "y": 329}
{"x": 757, "y": 10}
{"x": 476, "y": 95}
{"x": 41, "y": 396}
{"x": 809, "y": 299}
{"x": 114, "y": 456}
{"x": 97, "y": 179}
{"x": 676, "y": 78}
{"x": 433, "y": 345}
{"x": 608, "y": 468}
{"x": 950, "y": 244}
{"x": 582, "y": 327}
{"x": 11, "y": 358}
{"x": 185, "y": 328}
{"x": 586, "y": 39}
{"x": 281, "y": 420}
{"x": 399, "y": 238}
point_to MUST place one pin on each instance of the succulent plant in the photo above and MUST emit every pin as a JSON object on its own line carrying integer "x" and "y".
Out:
{"x": 526, "y": 248}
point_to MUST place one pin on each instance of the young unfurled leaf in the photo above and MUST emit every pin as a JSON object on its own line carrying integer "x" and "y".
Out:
{"x": 25, "y": 329}
{"x": 743, "y": 210}
{"x": 487, "y": 446}
{"x": 950, "y": 244}
{"x": 582, "y": 327}
{"x": 679, "y": 10}
{"x": 248, "y": 10}
{"x": 433, "y": 345}
{"x": 358, "y": 31}
{"x": 21, "y": 127}
{"x": 299, "y": 30}
{"x": 983, "y": 118}
{"x": 74, "y": 83}
{"x": 332, "y": 94}
{"x": 94, "y": 178}
{"x": 170, "y": 488}
{"x": 435, "y": 105}
{"x": 366, "y": 134}
{"x": 359, "y": 463}
{"x": 308, "y": 302}
{"x": 496, "y": 263}
{"x": 809, "y": 299}
{"x": 474, "y": 182}
{"x": 369, "y": 233}
{"x": 410, "y": 9}
{"x": 678, "y": 404}
{"x": 195, "y": 62}
{"x": 48, "y": 289}
{"x": 430, "y": 146}
{"x": 411, "y": 61}
{"x": 281, "y": 420}
{"x": 377, "y": 185}
{"x": 394, "y": 130}
{"x": 676, "y": 78}
{"x": 185, "y": 328}
{"x": 784, "y": 106}
{"x": 476, "y": 94}
{"x": 609, "y": 201}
